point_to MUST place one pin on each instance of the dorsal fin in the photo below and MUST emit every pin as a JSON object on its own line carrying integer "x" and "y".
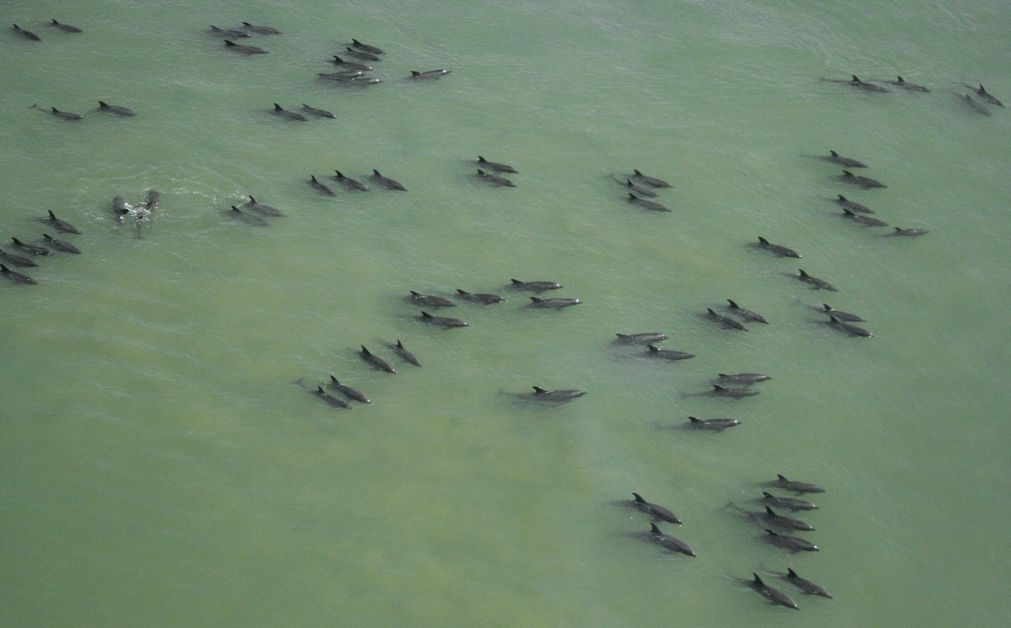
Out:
{"x": 789, "y": 570}
{"x": 718, "y": 387}
{"x": 841, "y": 197}
{"x": 770, "y": 532}
{"x": 539, "y": 390}
{"x": 320, "y": 390}
{"x": 400, "y": 344}
{"x": 847, "y": 173}
{"x": 638, "y": 498}
{"x": 376, "y": 172}
{"x": 460, "y": 292}
{"x": 826, "y": 307}
{"x": 103, "y": 105}
{"x": 835, "y": 321}
{"x": 710, "y": 310}
{"x": 762, "y": 240}
{"x": 770, "y": 512}
{"x": 334, "y": 380}
{"x": 767, "y": 494}
{"x": 278, "y": 107}
{"x": 338, "y": 59}
{"x": 366, "y": 351}
{"x": 426, "y": 315}
{"x": 653, "y": 349}
{"x": 536, "y": 299}
{"x": 482, "y": 173}
{"x": 856, "y": 79}
{"x": 417, "y": 294}
{"x": 229, "y": 43}
{"x": 654, "y": 529}
{"x": 693, "y": 419}
{"x": 314, "y": 178}
{"x": 901, "y": 80}
{"x": 516, "y": 282}
{"x": 637, "y": 173}
{"x": 252, "y": 200}
{"x": 848, "y": 212}
{"x": 833, "y": 153}
{"x": 633, "y": 196}
{"x": 757, "y": 580}
{"x": 733, "y": 305}
{"x": 781, "y": 477}
{"x": 415, "y": 73}
{"x": 802, "y": 273}
{"x": 481, "y": 159}
{"x": 52, "y": 215}
{"x": 236, "y": 209}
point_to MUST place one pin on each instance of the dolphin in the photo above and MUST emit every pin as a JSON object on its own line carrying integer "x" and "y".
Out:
{"x": 912, "y": 232}
{"x": 867, "y": 87}
{"x": 66, "y": 28}
{"x": 483, "y": 298}
{"x": 229, "y": 33}
{"x": 320, "y": 113}
{"x": 246, "y": 217}
{"x": 535, "y": 286}
{"x": 632, "y": 188}
{"x": 442, "y": 321}
{"x": 31, "y": 249}
{"x": 742, "y": 379}
{"x": 119, "y": 206}
{"x": 642, "y": 338}
{"x": 430, "y": 300}
{"x": 777, "y": 249}
{"x": 376, "y": 361}
{"x": 847, "y": 328}
{"x": 864, "y": 182}
{"x": 792, "y": 543}
{"x": 258, "y": 207}
{"x": 361, "y": 54}
{"x": 725, "y": 321}
{"x": 243, "y": 48}
{"x": 260, "y": 30}
{"x": 850, "y": 205}
{"x": 322, "y": 188}
{"x": 494, "y": 165}
{"x": 906, "y": 85}
{"x": 732, "y": 393}
{"x": 804, "y": 585}
{"x": 351, "y": 65}
{"x": 404, "y": 354}
{"x": 60, "y": 225}
{"x": 650, "y": 205}
{"x": 987, "y": 96}
{"x": 655, "y": 535}
{"x": 151, "y": 200}
{"x": 863, "y": 220}
{"x": 348, "y": 391}
{"x": 15, "y": 276}
{"x": 288, "y": 115}
{"x": 494, "y": 178}
{"x": 797, "y": 487}
{"x": 16, "y": 260}
{"x": 26, "y": 34}
{"x": 839, "y": 314}
{"x": 334, "y": 402}
{"x": 972, "y": 104}
{"x": 386, "y": 182}
{"x": 655, "y": 511}
{"x": 773, "y": 594}
{"x": 555, "y": 303}
{"x": 712, "y": 425}
{"x": 815, "y": 282}
{"x": 60, "y": 245}
{"x": 788, "y": 503}
{"x": 119, "y": 110}
{"x": 560, "y": 395}
{"x": 428, "y": 74}
{"x": 367, "y": 48}
{"x": 69, "y": 116}
{"x": 668, "y": 354}
{"x": 836, "y": 158}
{"x": 343, "y": 75}
{"x": 745, "y": 314}
{"x": 349, "y": 183}
{"x": 653, "y": 182}
{"x": 787, "y": 523}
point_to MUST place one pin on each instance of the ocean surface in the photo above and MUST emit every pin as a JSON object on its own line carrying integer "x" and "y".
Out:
{"x": 161, "y": 465}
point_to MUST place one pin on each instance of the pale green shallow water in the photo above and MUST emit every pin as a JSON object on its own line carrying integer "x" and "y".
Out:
{"x": 156, "y": 466}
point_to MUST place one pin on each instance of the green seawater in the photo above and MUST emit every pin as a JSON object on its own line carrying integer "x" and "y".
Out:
{"x": 158, "y": 466}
